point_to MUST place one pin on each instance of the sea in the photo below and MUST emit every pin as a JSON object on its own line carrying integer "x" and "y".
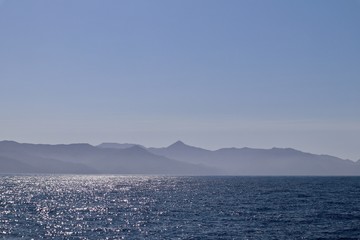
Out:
{"x": 178, "y": 207}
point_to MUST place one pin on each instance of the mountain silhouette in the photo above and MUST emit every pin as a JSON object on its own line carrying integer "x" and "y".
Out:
{"x": 251, "y": 161}
{"x": 84, "y": 158}
{"x": 176, "y": 159}
{"x": 184, "y": 152}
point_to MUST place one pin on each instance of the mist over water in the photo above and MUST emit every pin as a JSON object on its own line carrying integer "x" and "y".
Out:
{"x": 154, "y": 207}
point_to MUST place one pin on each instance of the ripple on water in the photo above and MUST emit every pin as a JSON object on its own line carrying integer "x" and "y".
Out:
{"x": 157, "y": 207}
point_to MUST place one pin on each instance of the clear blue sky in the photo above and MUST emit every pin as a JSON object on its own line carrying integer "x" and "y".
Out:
{"x": 211, "y": 73}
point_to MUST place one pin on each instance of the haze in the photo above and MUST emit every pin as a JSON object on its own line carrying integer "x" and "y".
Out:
{"x": 211, "y": 73}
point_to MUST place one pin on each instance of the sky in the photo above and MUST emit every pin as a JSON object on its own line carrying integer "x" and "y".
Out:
{"x": 241, "y": 73}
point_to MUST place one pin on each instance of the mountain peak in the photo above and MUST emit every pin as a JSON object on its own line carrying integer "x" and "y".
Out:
{"x": 178, "y": 144}
{"x": 134, "y": 150}
{"x": 137, "y": 148}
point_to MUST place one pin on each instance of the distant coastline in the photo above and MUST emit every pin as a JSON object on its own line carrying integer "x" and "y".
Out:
{"x": 175, "y": 159}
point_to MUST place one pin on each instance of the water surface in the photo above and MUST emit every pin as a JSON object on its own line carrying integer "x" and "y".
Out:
{"x": 158, "y": 207}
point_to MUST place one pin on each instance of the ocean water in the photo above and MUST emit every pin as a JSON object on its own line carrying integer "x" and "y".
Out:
{"x": 158, "y": 207}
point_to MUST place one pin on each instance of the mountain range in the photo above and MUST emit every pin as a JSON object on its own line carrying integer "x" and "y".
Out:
{"x": 176, "y": 159}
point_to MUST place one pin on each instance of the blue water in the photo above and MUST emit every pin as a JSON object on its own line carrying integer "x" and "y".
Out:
{"x": 151, "y": 207}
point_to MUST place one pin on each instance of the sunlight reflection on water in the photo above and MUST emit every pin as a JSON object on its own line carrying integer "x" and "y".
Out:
{"x": 154, "y": 207}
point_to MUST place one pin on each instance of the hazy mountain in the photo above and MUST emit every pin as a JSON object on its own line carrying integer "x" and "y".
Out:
{"x": 34, "y": 164}
{"x": 84, "y": 158}
{"x": 32, "y": 158}
{"x": 177, "y": 158}
{"x": 8, "y": 165}
{"x": 249, "y": 161}
{"x": 185, "y": 153}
